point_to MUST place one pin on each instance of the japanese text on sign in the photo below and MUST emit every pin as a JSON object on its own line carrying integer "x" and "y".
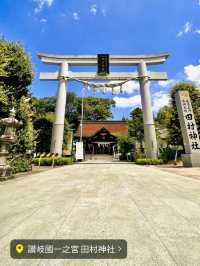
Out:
{"x": 187, "y": 121}
{"x": 68, "y": 249}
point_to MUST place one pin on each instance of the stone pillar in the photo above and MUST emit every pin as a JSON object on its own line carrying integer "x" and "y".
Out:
{"x": 58, "y": 126}
{"x": 190, "y": 134}
{"x": 149, "y": 127}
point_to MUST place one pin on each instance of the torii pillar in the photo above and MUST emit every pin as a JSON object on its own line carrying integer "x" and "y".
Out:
{"x": 149, "y": 127}
{"x": 58, "y": 126}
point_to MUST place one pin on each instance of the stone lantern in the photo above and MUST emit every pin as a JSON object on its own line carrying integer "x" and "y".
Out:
{"x": 6, "y": 140}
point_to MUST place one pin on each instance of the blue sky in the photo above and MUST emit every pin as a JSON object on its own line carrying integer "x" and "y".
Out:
{"x": 108, "y": 26}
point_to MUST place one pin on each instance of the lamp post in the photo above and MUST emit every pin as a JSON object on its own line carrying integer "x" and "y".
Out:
{"x": 82, "y": 113}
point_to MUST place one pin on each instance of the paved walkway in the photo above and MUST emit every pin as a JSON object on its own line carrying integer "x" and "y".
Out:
{"x": 157, "y": 212}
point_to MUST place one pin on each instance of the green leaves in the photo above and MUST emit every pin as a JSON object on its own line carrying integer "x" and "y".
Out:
{"x": 15, "y": 65}
{"x": 136, "y": 125}
{"x": 16, "y": 75}
{"x": 96, "y": 108}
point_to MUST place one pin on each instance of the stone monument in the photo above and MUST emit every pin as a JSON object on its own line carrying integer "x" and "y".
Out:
{"x": 189, "y": 129}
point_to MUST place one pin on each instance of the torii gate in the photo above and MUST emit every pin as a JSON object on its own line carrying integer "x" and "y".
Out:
{"x": 64, "y": 74}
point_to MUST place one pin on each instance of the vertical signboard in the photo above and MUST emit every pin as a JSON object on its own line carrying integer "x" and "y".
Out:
{"x": 103, "y": 64}
{"x": 188, "y": 127}
{"x": 79, "y": 151}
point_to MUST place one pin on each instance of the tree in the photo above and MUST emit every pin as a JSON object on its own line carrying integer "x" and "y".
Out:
{"x": 174, "y": 125}
{"x": 16, "y": 75}
{"x": 96, "y": 108}
{"x": 4, "y": 60}
{"x": 162, "y": 122}
{"x": 136, "y": 126}
{"x": 17, "y": 70}
{"x": 44, "y": 128}
{"x": 43, "y": 125}
{"x": 26, "y": 135}
{"x": 3, "y": 96}
{"x": 125, "y": 145}
{"x": 44, "y": 105}
{"x": 3, "y": 102}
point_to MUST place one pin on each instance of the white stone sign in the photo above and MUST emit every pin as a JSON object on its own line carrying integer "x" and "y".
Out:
{"x": 189, "y": 129}
{"x": 79, "y": 151}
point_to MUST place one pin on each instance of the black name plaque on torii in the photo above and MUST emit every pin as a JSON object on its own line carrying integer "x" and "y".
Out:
{"x": 103, "y": 64}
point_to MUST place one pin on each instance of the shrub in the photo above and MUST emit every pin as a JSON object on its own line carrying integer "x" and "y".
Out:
{"x": 57, "y": 161}
{"x": 20, "y": 165}
{"x": 125, "y": 145}
{"x": 139, "y": 155}
{"x": 167, "y": 154}
{"x": 149, "y": 161}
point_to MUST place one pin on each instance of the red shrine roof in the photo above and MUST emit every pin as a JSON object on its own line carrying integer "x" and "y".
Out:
{"x": 90, "y": 128}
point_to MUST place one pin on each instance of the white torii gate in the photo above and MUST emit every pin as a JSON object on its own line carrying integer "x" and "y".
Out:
{"x": 64, "y": 74}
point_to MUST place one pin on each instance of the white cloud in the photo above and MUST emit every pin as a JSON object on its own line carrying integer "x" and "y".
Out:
{"x": 76, "y": 16}
{"x": 122, "y": 102}
{"x": 129, "y": 87}
{"x": 199, "y": 2}
{"x": 160, "y": 99}
{"x": 93, "y": 9}
{"x": 179, "y": 34}
{"x": 186, "y": 29}
{"x": 43, "y": 20}
{"x": 192, "y": 73}
{"x": 167, "y": 83}
{"x": 198, "y": 31}
{"x": 41, "y": 4}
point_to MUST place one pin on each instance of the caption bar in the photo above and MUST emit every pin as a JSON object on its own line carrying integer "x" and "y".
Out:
{"x": 68, "y": 249}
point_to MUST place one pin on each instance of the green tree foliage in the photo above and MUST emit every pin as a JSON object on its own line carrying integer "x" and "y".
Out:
{"x": 71, "y": 111}
{"x": 126, "y": 145}
{"x": 48, "y": 105}
{"x": 26, "y": 135}
{"x": 96, "y": 108}
{"x": 4, "y": 60}
{"x": 44, "y": 105}
{"x": 3, "y": 101}
{"x": 162, "y": 122}
{"x": 3, "y": 64}
{"x": 136, "y": 125}
{"x": 164, "y": 116}
{"x": 44, "y": 128}
{"x": 43, "y": 125}
{"x": 17, "y": 70}
{"x": 174, "y": 125}
{"x": 16, "y": 75}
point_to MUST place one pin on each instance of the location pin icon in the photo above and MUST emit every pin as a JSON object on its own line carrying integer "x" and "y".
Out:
{"x": 19, "y": 248}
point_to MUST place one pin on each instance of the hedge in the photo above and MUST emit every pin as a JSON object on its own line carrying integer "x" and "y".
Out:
{"x": 148, "y": 161}
{"x": 57, "y": 161}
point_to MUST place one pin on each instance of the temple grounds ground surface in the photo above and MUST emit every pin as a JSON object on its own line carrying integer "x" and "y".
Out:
{"x": 157, "y": 210}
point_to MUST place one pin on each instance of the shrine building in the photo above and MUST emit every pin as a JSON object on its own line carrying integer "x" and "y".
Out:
{"x": 100, "y": 137}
